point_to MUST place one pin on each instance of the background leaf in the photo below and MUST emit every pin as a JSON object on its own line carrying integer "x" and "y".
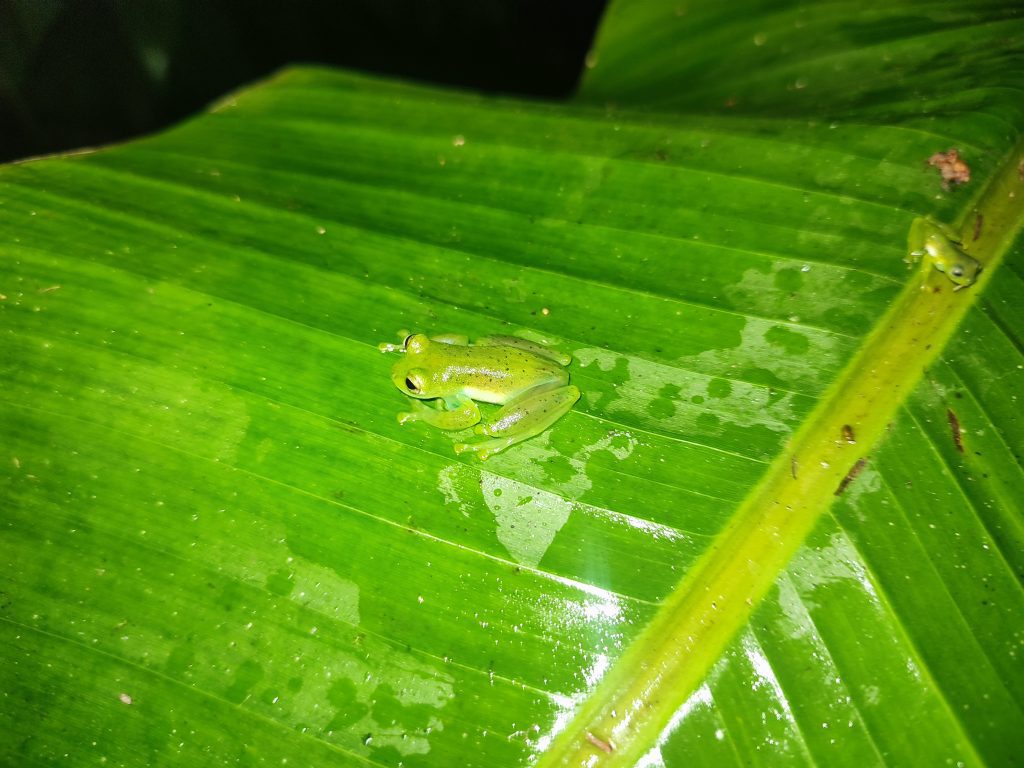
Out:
{"x": 221, "y": 546}
{"x": 74, "y": 74}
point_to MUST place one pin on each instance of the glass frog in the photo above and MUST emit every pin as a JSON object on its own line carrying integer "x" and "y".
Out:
{"x": 941, "y": 245}
{"x": 529, "y": 380}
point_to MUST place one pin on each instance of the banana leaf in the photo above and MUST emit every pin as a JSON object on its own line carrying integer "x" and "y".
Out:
{"x": 787, "y": 505}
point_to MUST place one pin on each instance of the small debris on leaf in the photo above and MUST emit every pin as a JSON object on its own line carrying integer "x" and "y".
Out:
{"x": 601, "y": 744}
{"x": 954, "y": 424}
{"x": 854, "y": 471}
{"x": 953, "y": 169}
{"x": 848, "y": 434}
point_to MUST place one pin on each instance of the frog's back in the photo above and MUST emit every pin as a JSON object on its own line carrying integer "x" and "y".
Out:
{"x": 499, "y": 374}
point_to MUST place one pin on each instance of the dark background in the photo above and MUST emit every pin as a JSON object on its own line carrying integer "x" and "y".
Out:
{"x": 77, "y": 73}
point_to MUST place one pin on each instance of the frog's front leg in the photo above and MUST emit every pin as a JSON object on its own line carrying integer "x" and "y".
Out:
{"x": 450, "y": 414}
{"x": 405, "y": 336}
{"x": 522, "y": 418}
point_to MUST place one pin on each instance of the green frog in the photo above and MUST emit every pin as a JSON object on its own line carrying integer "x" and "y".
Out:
{"x": 940, "y": 244}
{"x": 528, "y": 380}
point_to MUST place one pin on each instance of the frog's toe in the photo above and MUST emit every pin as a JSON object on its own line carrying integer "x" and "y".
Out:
{"x": 406, "y": 416}
{"x": 482, "y": 449}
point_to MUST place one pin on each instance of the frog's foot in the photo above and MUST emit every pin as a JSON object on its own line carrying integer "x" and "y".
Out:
{"x": 484, "y": 449}
{"x": 385, "y": 346}
{"x": 459, "y": 413}
{"x": 406, "y": 416}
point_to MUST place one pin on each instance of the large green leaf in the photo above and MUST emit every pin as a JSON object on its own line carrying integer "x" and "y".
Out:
{"x": 220, "y": 545}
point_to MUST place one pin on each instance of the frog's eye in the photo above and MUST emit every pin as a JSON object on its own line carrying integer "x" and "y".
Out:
{"x": 415, "y": 343}
{"x": 957, "y": 271}
{"x": 414, "y": 382}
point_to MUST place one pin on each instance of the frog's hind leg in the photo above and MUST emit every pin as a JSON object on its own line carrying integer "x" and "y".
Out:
{"x": 522, "y": 419}
{"x": 459, "y": 413}
{"x": 530, "y": 346}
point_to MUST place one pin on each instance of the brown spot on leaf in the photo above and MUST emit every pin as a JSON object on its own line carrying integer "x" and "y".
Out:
{"x": 952, "y": 168}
